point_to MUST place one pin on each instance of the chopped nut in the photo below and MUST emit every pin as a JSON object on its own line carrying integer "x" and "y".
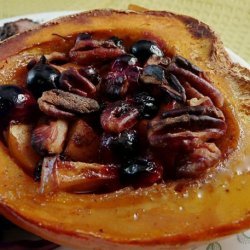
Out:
{"x": 154, "y": 74}
{"x": 61, "y": 104}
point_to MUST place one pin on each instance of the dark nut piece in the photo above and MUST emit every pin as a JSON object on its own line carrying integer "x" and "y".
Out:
{"x": 196, "y": 162}
{"x": 88, "y": 51}
{"x": 187, "y": 123}
{"x": 202, "y": 85}
{"x": 60, "y": 104}
{"x": 73, "y": 80}
{"x": 155, "y": 74}
{"x": 185, "y": 64}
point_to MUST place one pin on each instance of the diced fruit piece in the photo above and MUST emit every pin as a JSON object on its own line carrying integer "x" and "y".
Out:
{"x": 76, "y": 176}
{"x": 83, "y": 143}
{"x": 49, "y": 137}
{"x": 19, "y": 142}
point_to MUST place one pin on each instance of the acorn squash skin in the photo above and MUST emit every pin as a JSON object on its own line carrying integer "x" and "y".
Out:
{"x": 163, "y": 216}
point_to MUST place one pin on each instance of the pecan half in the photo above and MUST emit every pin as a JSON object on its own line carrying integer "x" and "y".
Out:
{"x": 196, "y": 162}
{"x": 186, "y": 123}
{"x": 60, "y": 104}
{"x": 73, "y": 80}
{"x": 88, "y": 50}
{"x": 199, "y": 83}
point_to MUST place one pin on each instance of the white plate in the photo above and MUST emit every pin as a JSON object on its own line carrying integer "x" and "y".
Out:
{"x": 236, "y": 242}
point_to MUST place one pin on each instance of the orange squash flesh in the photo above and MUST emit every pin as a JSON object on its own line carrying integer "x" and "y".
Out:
{"x": 163, "y": 216}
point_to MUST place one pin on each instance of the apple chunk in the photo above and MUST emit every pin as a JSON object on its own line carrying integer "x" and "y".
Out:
{"x": 83, "y": 143}
{"x": 19, "y": 142}
{"x": 76, "y": 176}
{"x": 49, "y": 137}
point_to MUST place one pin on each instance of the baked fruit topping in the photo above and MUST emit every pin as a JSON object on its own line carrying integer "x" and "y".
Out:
{"x": 133, "y": 126}
{"x": 108, "y": 92}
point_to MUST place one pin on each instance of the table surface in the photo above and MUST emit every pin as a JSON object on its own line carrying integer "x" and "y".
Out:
{"x": 229, "y": 18}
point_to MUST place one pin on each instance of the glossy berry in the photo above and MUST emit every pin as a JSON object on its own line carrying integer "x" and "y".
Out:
{"x": 42, "y": 77}
{"x": 91, "y": 74}
{"x": 115, "y": 85}
{"x": 16, "y": 103}
{"x": 143, "y": 49}
{"x": 141, "y": 172}
{"x": 117, "y": 41}
{"x": 106, "y": 148}
{"x": 126, "y": 144}
{"x": 83, "y": 36}
{"x": 147, "y": 105}
{"x": 122, "y": 62}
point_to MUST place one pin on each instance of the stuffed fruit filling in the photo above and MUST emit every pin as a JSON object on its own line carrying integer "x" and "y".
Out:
{"x": 103, "y": 116}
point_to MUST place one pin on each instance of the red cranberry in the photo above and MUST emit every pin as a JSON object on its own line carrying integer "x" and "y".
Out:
{"x": 16, "y": 103}
{"x": 124, "y": 76}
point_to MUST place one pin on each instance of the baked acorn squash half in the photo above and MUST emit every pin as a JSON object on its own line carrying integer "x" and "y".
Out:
{"x": 124, "y": 129}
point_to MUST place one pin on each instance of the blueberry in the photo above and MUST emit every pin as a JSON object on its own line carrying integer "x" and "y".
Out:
{"x": 141, "y": 172}
{"x": 138, "y": 166}
{"x": 143, "y": 49}
{"x": 147, "y": 105}
{"x": 117, "y": 41}
{"x": 91, "y": 74}
{"x": 115, "y": 85}
{"x": 83, "y": 36}
{"x": 126, "y": 144}
{"x": 123, "y": 62}
{"x": 42, "y": 77}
